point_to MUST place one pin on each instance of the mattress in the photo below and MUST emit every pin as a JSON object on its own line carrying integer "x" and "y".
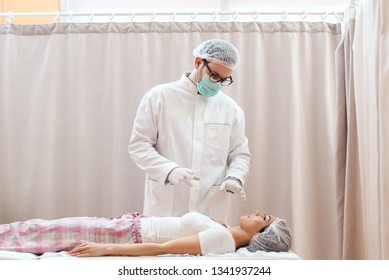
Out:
{"x": 241, "y": 253}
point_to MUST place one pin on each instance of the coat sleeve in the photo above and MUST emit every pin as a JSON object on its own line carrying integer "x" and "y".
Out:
{"x": 239, "y": 157}
{"x": 144, "y": 137}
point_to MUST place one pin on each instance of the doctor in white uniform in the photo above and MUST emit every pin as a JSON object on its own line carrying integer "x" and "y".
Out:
{"x": 189, "y": 138}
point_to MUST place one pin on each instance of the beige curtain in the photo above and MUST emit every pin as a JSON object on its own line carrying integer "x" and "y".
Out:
{"x": 363, "y": 95}
{"x": 69, "y": 94}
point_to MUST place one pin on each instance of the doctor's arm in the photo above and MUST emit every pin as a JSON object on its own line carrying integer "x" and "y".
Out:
{"x": 143, "y": 138}
{"x": 187, "y": 245}
{"x": 238, "y": 161}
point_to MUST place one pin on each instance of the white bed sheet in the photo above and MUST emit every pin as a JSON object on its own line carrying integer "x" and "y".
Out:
{"x": 241, "y": 253}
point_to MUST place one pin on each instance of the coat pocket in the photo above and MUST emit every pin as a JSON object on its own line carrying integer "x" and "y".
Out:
{"x": 158, "y": 198}
{"x": 217, "y": 136}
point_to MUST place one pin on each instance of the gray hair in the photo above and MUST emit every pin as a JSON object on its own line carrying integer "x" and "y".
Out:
{"x": 218, "y": 51}
{"x": 275, "y": 238}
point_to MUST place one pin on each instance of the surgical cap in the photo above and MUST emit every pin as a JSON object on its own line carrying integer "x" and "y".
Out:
{"x": 218, "y": 51}
{"x": 275, "y": 238}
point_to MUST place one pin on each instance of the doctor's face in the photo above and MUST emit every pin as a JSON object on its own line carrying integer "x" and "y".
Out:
{"x": 217, "y": 73}
{"x": 224, "y": 78}
{"x": 256, "y": 221}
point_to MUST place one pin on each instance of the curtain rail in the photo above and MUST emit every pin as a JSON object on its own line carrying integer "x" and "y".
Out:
{"x": 254, "y": 13}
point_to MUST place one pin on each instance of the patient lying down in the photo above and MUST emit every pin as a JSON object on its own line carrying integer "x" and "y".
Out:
{"x": 135, "y": 235}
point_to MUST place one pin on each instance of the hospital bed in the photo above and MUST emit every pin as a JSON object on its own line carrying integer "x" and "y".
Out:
{"x": 239, "y": 254}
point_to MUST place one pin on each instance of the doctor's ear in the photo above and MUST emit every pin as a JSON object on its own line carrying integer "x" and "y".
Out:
{"x": 198, "y": 61}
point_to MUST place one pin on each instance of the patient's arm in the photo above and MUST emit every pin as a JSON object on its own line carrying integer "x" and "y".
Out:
{"x": 186, "y": 245}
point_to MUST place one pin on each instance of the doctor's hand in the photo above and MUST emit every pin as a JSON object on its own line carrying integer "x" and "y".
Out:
{"x": 182, "y": 176}
{"x": 232, "y": 186}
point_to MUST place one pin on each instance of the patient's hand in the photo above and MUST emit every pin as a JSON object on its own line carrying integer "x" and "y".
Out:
{"x": 89, "y": 249}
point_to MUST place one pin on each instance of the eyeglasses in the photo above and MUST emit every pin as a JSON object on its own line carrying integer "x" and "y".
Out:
{"x": 215, "y": 78}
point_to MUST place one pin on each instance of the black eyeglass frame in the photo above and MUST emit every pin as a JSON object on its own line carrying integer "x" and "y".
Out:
{"x": 215, "y": 78}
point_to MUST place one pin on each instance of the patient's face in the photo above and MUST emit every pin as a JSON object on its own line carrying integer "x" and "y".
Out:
{"x": 256, "y": 221}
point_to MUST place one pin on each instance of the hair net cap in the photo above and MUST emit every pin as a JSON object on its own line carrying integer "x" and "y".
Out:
{"x": 218, "y": 51}
{"x": 275, "y": 238}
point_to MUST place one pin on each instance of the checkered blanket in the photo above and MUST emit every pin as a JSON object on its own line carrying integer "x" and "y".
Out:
{"x": 39, "y": 236}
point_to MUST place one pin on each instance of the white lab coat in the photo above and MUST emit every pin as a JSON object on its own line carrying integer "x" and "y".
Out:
{"x": 177, "y": 127}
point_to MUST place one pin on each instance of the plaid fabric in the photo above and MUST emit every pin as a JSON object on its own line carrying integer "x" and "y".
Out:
{"x": 39, "y": 236}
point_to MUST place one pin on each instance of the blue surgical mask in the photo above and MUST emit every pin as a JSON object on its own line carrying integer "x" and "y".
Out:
{"x": 208, "y": 88}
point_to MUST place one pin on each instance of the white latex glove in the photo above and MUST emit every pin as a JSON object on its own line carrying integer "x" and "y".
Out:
{"x": 233, "y": 186}
{"x": 182, "y": 176}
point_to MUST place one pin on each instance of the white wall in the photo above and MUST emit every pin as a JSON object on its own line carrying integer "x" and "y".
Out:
{"x": 196, "y": 7}
{"x": 200, "y": 4}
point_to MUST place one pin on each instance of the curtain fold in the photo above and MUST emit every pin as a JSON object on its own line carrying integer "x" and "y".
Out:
{"x": 363, "y": 98}
{"x": 69, "y": 94}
